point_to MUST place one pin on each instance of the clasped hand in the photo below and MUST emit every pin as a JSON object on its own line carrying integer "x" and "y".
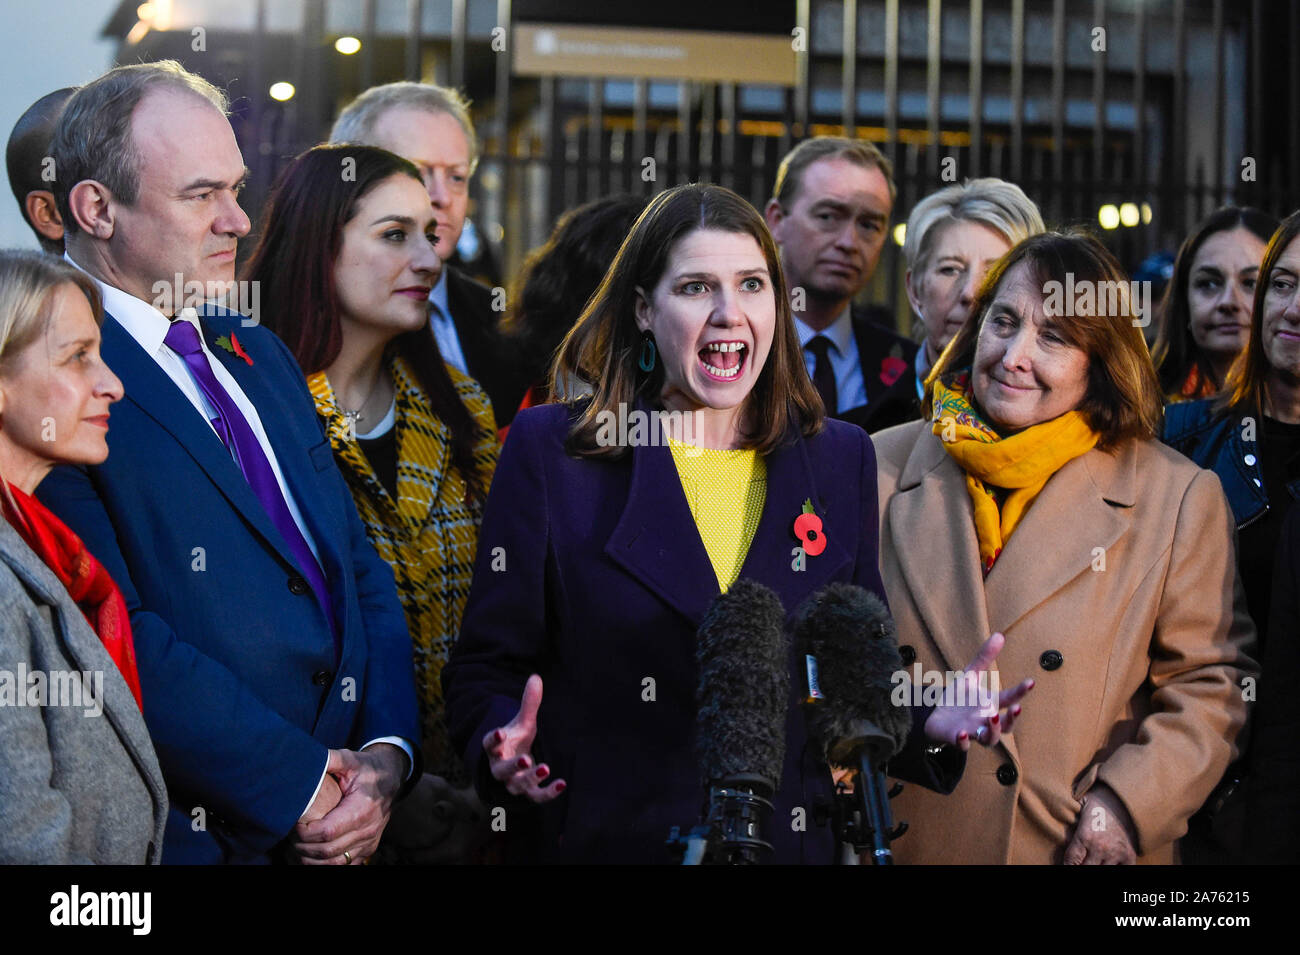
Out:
{"x": 1104, "y": 833}
{"x": 345, "y": 820}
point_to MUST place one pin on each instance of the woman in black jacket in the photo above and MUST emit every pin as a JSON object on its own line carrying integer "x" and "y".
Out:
{"x": 1250, "y": 437}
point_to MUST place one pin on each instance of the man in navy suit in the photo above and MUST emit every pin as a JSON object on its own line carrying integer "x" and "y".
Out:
{"x": 274, "y": 660}
{"x": 829, "y": 213}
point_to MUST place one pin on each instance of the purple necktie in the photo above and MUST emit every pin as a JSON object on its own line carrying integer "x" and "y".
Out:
{"x": 238, "y": 436}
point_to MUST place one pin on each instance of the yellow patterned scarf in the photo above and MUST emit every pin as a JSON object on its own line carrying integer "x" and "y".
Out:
{"x": 1020, "y": 463}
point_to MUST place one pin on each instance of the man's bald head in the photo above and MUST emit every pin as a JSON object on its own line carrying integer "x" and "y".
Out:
{"x": 30, "y": 171}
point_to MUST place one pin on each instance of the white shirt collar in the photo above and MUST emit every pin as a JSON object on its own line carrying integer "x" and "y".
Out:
{"x": 146, "y": 324}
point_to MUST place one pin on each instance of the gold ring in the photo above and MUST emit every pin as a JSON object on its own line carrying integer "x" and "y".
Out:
{"x": 347, "y": 855}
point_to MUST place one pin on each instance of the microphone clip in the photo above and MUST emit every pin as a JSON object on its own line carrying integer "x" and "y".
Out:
{"x": 737, "y": 814}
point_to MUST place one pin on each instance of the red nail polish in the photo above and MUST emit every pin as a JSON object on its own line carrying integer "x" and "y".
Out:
{"x": 995, "y": 718}
{"x": 560, "y": 787}
{"x": 523, "y": 762}
{"x": 542, "y": 772}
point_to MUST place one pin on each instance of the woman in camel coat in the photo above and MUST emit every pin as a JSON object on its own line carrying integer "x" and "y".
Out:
{"x": 1036, "y": 502}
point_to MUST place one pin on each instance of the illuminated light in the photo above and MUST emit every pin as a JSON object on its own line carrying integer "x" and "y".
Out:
{"x": 137, "y": 32}
{"x": 1128, "y": 214}
{"x": 282, "y": 91}
{"x": 500, "y": 232}
{"x": 1108, "y": 216}
{"x": 900, "y": 233}
{"x": 1146, "y": 213}
{"x": 145, "y": 11}
{"x": 347, "y": 45}
{"x": 160, "y": 16}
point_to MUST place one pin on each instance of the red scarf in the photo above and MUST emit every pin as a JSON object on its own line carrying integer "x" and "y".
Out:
{"x": 88, "y": 583}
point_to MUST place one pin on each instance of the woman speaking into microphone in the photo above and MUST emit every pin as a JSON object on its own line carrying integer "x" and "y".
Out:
{"x": 609, "y": 531}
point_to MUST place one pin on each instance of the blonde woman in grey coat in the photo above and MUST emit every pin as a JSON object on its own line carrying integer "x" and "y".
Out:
{"x": 79, "y": 781}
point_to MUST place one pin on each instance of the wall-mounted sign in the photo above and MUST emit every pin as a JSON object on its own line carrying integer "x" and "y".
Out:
{"x": 556, "y": 49}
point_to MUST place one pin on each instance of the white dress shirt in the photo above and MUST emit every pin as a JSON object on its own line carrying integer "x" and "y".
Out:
{"x": 148, "y": 327}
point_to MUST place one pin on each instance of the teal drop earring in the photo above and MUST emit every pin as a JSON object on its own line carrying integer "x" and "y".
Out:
{"x": 646, "y": 362}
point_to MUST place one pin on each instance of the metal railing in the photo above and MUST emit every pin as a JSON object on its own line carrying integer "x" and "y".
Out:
{"x": 1174, "y": 106}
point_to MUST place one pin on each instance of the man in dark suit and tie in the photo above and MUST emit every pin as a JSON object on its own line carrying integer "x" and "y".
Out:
{"x": 273, "y": 654}
{"x": 829, "y": 213}
{"x": 430, "y": 126}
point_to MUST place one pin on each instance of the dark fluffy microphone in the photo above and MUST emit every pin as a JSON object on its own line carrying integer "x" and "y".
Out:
{"x": 744, "y": 684}
{"x": 742, "y": 699}
{"x": 847, "y": 639}
{"x": 849, "y": 633}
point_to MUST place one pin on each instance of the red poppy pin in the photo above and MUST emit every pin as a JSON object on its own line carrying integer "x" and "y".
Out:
{"x": 231, "y": 344}
{"x": 808, "y": 528}
{"x": 891, "y": 368}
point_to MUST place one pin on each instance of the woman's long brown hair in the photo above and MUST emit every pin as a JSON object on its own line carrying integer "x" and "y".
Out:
{"x": 1246, "y": 387}
{"x": 1123, "y": 397}
{"x": 603, "y": 347}
{"x": 302, "y": 234}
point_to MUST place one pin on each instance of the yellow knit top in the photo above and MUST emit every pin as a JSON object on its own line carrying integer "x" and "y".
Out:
{"x": 725, "y": 491}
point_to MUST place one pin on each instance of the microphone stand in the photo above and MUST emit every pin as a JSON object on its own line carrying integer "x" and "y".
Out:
{"x": 874, "y": 809}
{"x": 739, "y": 807}
{"x": 862, "y": 818}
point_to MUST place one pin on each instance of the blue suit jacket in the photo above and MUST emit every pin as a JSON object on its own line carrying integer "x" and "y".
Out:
{"x": 242, "y": 693}
{"x": 604, "y": 584}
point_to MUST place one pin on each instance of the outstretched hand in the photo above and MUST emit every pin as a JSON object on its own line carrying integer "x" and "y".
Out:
{"x": 509, "y": 751}
{"x": 963, "y": 715}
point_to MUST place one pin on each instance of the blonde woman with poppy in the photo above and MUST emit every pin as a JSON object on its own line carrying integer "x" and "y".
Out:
{"x": 73, "y": 789}
{"x": 1035, "y": 500}
{"x": 608, "y": 553}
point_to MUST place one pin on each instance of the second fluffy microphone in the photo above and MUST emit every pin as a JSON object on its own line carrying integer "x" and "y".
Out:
{"x": 850, "y": 633}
